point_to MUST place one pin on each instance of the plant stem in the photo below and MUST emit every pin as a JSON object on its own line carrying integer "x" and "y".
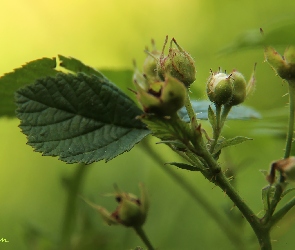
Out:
{"x": 282, "y": 212}
{"x": 200, "y": 199}
{"x": 191, "y": 113}
{"x": 71, "y": 205}
{"x": 291, "y": 119}
{"x": 217, "y": 129}
{"x": 143, "y": 237}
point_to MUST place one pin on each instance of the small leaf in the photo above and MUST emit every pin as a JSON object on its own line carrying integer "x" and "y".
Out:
{"x": 231, "y": 142}
{"x": 183, "y": 166}
{"x": 240, "y": 112}
{"x": 168, "y": 129}
{"x": 211, "y": 117}
{"x": 287, "y": 191}
{"x": 79, "y": 118}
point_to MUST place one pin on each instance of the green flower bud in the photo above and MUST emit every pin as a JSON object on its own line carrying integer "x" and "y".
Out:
{"x": 239, "y": 89}
{"x": 178, "y": 64}
{"x": 219, "y": 88}
{"x": 283, "y": 66}
{"x": 162, "y": 98}
{"x": 131, "y": 211}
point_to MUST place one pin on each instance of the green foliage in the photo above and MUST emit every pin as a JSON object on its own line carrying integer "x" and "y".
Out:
{"x": 230, "y": 142}
{"x": 278, "y": 34}
{"x": 79, "y": 118}
{"x": 20, "y": 77}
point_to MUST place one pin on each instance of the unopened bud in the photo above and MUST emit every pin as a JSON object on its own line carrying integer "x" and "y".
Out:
{"x": 239, "y": 89}
{"x": 178, "y": 64}
{"x": 219, "y": 88}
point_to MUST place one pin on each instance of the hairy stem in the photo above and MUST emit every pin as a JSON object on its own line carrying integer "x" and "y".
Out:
{"x": 191, "y": 113}
{"x": 144, "y": 238}
{"x": 291, "y": 119}
{"x": 200, "y": 199}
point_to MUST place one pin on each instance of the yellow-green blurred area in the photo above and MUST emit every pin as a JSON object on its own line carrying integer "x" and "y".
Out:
{"x": 109, "y": 35}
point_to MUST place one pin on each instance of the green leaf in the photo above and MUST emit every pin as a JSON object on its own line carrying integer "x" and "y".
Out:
{"x": 240, "y": 112}
{"x": 287, "y": 191}
{"x": 79, "y": 118}
{"x": 168, "y": 129}
{"x": 231, "y": 142}
{"x": 183, "y": 166}
{"x": 75, "y": 66}
{"x": 20, "y": 77}
{"x": 276, "y": 34}
{"x": 32, "y": 71}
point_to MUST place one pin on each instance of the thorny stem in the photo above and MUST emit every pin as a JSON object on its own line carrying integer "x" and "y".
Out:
{"x": 191, "y": 112}
{"x": 291, "y": 119}
{"x": 143, "y": 237}
{"x": 201, "y": 200}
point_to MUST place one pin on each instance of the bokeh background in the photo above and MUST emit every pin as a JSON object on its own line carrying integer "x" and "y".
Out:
{"x": 109, "y": 35}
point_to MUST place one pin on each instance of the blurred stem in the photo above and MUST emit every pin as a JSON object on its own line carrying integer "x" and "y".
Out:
{"x": 73, "y": 187}
{"x": 143, "y": 237}
{"x": 282, "y": 212}
{"x": 201, "y": 200}
{"x": 291, "y": 119}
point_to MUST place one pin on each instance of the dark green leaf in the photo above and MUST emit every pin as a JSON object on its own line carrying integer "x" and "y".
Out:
{"x": 231, "y": 142}
{"x": 79, "y": 118}
{"x": 240, "y": 112}
{"x": 276, "y": 34}
{"x": 76, "y": 66}
{"x": 184, "y": 166}
{"x": 20, "y": 77}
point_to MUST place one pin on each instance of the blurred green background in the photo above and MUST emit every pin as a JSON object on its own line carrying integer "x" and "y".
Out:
{"x": 109, "y": 35}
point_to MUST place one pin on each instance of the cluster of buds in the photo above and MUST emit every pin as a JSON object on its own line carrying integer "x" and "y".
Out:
{"x": 231, "y": 90}
{"x": 162, "y": 85}
{"x": 284, "y": 66}
{"x": 131, "y": 211}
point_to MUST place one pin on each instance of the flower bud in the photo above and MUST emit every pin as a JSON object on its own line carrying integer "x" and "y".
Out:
{"x": 178, "y": 64}
{"x": 239, "y": 89}
{"x": 283, "y": 66}
{"x": 219, "y": 88}
{"x": 131, "y": 211}
{"x": 162, "y": 98}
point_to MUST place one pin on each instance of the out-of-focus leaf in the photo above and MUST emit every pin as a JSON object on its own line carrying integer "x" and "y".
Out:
{"x": 276, "y": 34}
{"x": 79, "y": 118}
{"x": 240, "y": 112}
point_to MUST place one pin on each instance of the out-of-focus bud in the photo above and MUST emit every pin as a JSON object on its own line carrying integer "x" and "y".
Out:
{"x": 283, "y": 66}
{"x": 178, "y": 64}
{"x": 131, "y": 211}
{"x": 285, "y": 166}
{"x": 219, "y": 88}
